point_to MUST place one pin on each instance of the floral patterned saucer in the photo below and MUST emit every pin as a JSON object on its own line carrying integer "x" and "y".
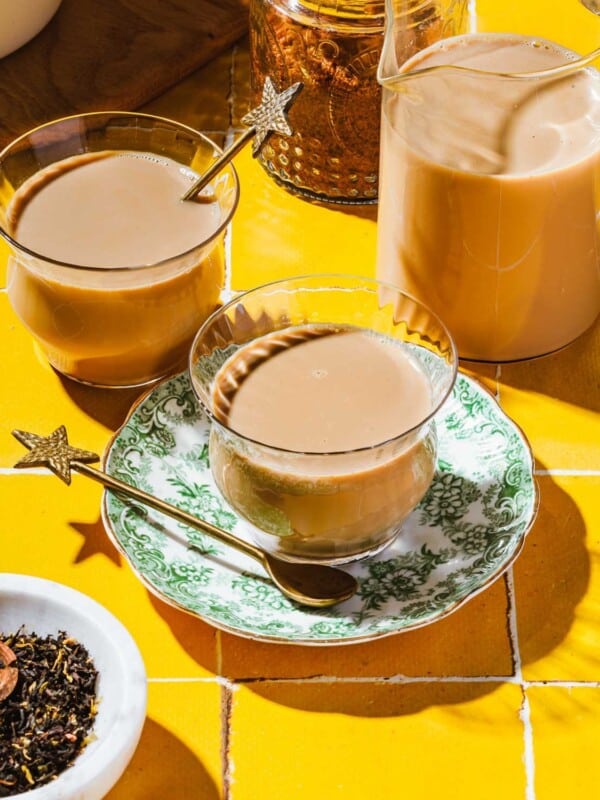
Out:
{"x": 467, "y": 530}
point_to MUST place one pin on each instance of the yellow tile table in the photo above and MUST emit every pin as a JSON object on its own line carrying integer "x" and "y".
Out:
{"x": 499, "y": 700}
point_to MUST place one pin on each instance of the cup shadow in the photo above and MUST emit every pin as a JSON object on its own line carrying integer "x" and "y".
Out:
{"x": 110, "y": 407}
{"x": 546, "y": 375}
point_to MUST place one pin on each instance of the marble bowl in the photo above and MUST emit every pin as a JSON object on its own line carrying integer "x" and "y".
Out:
{"x": 44, "y": 607}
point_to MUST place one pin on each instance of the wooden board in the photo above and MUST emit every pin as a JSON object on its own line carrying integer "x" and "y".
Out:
{"x": 97, "y": 55}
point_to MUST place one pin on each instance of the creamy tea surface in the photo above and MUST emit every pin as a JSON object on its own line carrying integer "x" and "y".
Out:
{"x": 111, "y": 209}
{"x": 489, "y": 201}
{"x": 114, "y": 210}
{"x": 325, "y": 466}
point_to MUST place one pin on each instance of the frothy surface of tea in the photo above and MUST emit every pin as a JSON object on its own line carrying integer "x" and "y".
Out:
{"x": 325, "y": 389}
{"x": 112, "y": 209}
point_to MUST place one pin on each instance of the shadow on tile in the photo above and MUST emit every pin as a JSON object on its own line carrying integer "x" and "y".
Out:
{"x": 376, "y": 699}
{"x": 551, "y": 577}
{"x": 193, "y": 634}
{"x": 569, "y": 375}
{"x": 147, "y": 777}
{"x": 367, "y": 211}
{"x": 110, "y": 407}
{"x": 94, "y": 540}
{"x": 475, "y": 641}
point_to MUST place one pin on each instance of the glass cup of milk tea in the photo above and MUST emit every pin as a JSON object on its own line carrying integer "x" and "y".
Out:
{"x": 490, "y": 181}
{"x": 111, "y": 272}
{"x": 322, "y": 393}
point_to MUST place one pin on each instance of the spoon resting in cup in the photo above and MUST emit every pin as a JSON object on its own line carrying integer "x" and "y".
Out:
{"x": 268, "y": 117}
{"x": 316, "y": 585}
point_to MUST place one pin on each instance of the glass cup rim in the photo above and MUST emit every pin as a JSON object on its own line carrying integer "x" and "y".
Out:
{"x": 20, "y": 248}
{"x": 373, "y": 282}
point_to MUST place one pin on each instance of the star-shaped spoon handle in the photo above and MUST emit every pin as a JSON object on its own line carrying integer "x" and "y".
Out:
{"x": 268, "y": 117}
{"x": 317, "y": 585}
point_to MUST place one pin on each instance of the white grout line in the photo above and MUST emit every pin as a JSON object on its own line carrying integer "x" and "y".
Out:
{"x": 28, "y": 471}
{"x": 581, "y": 473}
{"x": 528, "y": 754}
{"x": 218, "y": 679}
{"x": 234, "y": 683}
{"x": 525, "y": 711}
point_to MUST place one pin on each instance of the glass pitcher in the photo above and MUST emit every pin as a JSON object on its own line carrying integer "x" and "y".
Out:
{"x": 490, "y": 184}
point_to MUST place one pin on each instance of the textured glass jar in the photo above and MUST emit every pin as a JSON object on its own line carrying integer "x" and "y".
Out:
{"x": 333, "y": 48}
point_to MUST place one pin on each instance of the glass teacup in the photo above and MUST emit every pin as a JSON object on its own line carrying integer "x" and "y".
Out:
{"x": 322, "y": 391}
{"x": 130, "y": 320}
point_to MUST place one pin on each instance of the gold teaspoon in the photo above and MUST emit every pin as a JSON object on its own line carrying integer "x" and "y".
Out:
{"x": 316, "y": 585}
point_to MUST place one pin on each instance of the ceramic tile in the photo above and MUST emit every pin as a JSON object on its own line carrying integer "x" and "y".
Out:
{"x": 443, "y": 648}
{"x": 54, "y": 531}
{"x": 179, "y": 751}
{"x": 241, "y": 100}
{"x": 568, "y": 23}
{"x": 36, "y": 398}
{"x": 277, "y": 235}
{"x": 566, "y": 727}
{"x": 556, "y": 400}
{"x": 557, "y": 584}
{"x": 411, "y": 715}
{"x": 376, "y": 741}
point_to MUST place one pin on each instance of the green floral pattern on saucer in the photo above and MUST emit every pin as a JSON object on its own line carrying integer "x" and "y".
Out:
{"x": 466, "y": 531}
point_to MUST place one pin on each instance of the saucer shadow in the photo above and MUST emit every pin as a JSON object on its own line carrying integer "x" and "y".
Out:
{"x": 474, "y": 642}
{"x": 191, "y": 632}
{"x": 146, "y": 776}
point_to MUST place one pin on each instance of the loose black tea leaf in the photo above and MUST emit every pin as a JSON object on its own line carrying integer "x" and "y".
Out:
{"x": 46, "y": 720}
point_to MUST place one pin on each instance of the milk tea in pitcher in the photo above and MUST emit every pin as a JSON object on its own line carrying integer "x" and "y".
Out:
{"x": 490, "y": 196}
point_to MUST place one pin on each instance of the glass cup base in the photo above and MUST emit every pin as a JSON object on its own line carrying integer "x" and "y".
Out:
{"x": 261, "y": 539}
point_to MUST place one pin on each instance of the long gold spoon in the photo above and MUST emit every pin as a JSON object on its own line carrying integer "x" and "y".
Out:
{"x": 316, "y": 585}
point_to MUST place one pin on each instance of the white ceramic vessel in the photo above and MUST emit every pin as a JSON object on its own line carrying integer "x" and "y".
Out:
{"x": 44, "y": 607}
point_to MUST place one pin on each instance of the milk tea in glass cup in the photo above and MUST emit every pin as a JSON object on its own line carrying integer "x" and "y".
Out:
{"x": 322, "y": 392}
{"x": 489, "y": 201}
{"x": 110, "y": 271}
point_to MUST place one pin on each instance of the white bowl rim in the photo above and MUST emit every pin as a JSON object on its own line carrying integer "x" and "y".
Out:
{"x": 81, "y": 775}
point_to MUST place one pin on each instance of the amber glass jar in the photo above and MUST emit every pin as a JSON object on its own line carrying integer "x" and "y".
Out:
{"x": 333, "y": 48}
